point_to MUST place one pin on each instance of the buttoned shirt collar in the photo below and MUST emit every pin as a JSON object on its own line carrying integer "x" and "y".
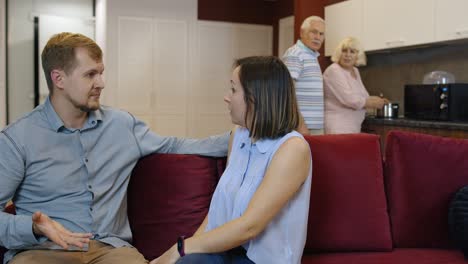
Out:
{"x": 263, "y": 145}
{"x": 57, "y": 124}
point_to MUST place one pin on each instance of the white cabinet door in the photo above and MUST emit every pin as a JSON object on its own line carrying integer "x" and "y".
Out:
{"x": 451, "y": 20}
{"x": 397, "y": 23}
{"x": 343, "y": 19}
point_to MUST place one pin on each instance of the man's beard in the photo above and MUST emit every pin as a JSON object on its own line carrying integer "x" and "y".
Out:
{"x": 86, "y": 107}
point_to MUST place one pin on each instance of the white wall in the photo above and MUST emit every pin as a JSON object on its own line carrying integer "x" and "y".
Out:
{"x": 218, "y": 44}
{"x": 2, "y": 65}
{"x": 285, "y": 34}
{"x": 21, "y": 45}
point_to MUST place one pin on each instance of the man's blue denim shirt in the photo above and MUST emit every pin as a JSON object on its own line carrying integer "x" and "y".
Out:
{"x": 78, "y": 177}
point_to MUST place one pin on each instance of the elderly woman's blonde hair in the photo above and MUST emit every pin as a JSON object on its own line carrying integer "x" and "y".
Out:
{"x": 350, "y": 43}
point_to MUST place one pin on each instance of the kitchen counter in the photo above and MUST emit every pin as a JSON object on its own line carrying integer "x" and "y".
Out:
{"x": 412, "y": 123}
{"x": 382, "y": 126}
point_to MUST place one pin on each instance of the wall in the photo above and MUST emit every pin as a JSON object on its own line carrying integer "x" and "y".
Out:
{"x": 283, "y": 8}
{"x": 239, "y": 11}
{"x": 21, "y": 46}
{"x": 247, "y": 11}
{"x": 388, "y": 72}
{"x": 3, "y": 109}
{"x": 285, "y": 35}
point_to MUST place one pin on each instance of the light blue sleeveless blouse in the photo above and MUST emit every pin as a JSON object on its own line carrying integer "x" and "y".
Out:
{"x": 284, "y": 238}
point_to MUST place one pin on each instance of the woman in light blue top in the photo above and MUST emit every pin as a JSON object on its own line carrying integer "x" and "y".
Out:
{"x": 258, "y": 213}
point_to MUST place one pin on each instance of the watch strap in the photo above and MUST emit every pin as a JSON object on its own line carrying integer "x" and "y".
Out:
{"x": 181, "y": 245}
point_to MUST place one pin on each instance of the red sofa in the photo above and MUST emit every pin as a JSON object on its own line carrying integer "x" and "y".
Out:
{"x": 363, "y": 210}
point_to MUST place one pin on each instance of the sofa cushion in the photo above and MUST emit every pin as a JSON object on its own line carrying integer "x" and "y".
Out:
{"x": 169, "y": 196}
{"x": 405, "y": 255}
{"x": 422, "y": 173}
{"x": 348, "y": 208}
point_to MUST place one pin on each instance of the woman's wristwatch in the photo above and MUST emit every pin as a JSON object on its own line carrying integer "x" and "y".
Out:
{"x": 181, "y": 245}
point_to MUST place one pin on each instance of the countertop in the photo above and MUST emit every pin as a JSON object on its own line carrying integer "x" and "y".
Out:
{"x": 405, "y": 122}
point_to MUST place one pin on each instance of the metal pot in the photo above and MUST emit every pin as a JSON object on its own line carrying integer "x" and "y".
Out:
{"x": 389, "y": 110}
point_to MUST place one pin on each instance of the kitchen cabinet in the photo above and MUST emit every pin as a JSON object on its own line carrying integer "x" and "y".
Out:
{"x": 384, "y": 24}
{"x": 343, "y": 19}
{"x": 451, "y": 21}
{"x": 397, "y": 23}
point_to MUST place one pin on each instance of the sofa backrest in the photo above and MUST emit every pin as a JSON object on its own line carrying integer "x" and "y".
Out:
{"x": 169, "y": 196}
{"x": 348, "y": 208}
{"x": 422, "y": 173}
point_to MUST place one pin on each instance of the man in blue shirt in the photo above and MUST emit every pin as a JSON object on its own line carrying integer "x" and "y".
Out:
{"x": 66, "y": 165}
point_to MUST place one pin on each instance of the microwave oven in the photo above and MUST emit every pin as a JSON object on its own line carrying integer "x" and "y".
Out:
{"x": 442, "y": 102}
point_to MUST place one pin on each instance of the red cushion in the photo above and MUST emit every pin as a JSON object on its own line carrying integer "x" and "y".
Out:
{"x": 10, "y": 209}
{"x": 169, "y": 196}
{"x": 422, "y": 174}
{"x": 348, "y": 209}
{"x": 403, "y": 256}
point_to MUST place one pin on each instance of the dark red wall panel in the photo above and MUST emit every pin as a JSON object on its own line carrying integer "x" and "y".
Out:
{"x": 239, "y": 11}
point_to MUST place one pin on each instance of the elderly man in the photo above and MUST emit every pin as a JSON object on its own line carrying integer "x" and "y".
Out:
{"x": 67, "y": 164}
{"x": 301, "y": 60}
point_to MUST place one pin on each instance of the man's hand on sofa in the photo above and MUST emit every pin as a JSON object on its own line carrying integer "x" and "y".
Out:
{"x": 44, "y": 226}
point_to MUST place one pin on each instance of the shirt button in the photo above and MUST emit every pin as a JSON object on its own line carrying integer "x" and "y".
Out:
{"x": 91, "y": 209}
{"x": 90, "y": 187}
{"x": 86, "y": 160}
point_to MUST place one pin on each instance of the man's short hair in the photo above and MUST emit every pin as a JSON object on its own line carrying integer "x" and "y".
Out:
{"x": 269, "y": 95}
{"x": 59, "y": 53}
{"x": 306, "y": 23}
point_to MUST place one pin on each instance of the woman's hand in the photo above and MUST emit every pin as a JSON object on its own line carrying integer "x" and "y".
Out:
{"x": 376, "y": 102}
{"x": 169, "y": 257}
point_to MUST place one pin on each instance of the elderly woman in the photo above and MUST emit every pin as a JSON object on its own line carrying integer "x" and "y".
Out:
{"x": 346, "y": 98}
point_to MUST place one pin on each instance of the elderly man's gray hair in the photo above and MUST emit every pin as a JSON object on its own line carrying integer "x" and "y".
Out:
{"x": 306, "y": 23}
